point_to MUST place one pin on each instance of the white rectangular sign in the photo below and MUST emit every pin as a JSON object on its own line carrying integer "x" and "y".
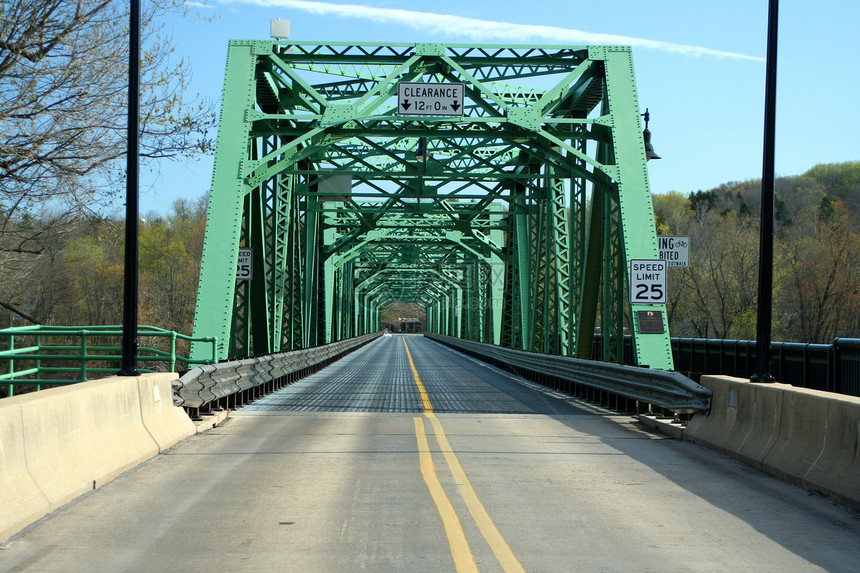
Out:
{"x": 675, "y": 250}
{"x": 244, "y": 267}
{"x": 648, "y": 281}
{"x": 429, "y": 99}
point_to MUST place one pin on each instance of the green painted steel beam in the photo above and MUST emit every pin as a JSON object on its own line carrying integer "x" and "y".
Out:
{"x": 214, "y": 314}
{"x": 484, "y": 218}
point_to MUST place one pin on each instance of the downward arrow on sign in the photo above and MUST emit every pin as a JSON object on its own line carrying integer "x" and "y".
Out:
{"x": 406, "y": 104}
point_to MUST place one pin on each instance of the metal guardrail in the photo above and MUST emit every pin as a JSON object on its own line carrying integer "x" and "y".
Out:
{"x": 43, "y": 355}
{"x": 670, "y": 390}
{"x": 231, "y": 384}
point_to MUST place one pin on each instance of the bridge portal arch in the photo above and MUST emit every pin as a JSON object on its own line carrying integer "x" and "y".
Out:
{"x": 508, "y": 203}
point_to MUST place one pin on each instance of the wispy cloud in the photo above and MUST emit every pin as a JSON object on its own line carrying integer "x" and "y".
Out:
{"x": 483, "y": 30}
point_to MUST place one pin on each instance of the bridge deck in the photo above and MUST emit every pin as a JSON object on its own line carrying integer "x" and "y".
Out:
{"x": 409, "y": 456}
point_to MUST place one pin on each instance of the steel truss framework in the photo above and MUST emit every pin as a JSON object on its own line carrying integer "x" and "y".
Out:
{"x": 511, "y": 223}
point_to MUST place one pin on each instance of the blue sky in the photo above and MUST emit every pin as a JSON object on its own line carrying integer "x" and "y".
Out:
{"x": 699, "y": 64}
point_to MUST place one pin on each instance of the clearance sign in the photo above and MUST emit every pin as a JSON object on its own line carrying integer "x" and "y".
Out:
{"x": 429, "y": 99}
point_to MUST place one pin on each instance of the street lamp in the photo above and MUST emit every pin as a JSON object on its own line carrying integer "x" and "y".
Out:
{"x": 132, "y": 201}
{"x": 646, "y": 135}
{"x": 765, "y": 273}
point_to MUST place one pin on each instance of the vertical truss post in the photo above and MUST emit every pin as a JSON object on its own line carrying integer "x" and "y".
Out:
{"x": 578, "y": 244}
{"x": 375, "y": 317}
{"x": 459, "y": 314}
{"x": 294, "y": 319}
{"x": 558, "y": 317}
{"x": 497, "y": 282}
{"x": 311, "y": 236}
{"x": 358, "y": 312}
{"x": 329, "y": 291}
{"x": 451, "y": 318}
{"x": 510, "y": 334}
{"x": 518, "y": 303}
{"x": 344, "y": 308}
{"x": 635, "y": 208}
{"x": 216, "y": 289}
{"x": 524, "y": 307}
{"x": 277, "y": 220}
{"x": 365, "y": 310}
{"x": 614, "y": 274}
{"x": 485, "y": 294}
{"x": 468, "y": 319}
{"x": 545, "y": 279}
{"x": 259, "y": 303}
{"x": 240, "y": 325}
{"x": 590, "y": 276}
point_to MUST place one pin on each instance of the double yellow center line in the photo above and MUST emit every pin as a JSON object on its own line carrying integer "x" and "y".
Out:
{"x": 463, "y": 558}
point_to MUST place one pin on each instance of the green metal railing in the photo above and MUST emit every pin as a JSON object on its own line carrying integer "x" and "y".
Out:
{"x": 37, "y": 356}
{"x": 828, "y": 367}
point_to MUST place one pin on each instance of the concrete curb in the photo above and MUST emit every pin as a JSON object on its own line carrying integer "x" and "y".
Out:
{"x": 662, "y": 425}
{"x": 210, "y": 421}
{"x": 806, "y": 437}
{"x": 58, "y": 444}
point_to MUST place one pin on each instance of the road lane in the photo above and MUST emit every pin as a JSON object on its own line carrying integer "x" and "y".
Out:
{"x": 325, "y": 476}
{"x": 500, "y": 547}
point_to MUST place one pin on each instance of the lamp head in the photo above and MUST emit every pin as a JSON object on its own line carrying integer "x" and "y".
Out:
{"x": 646, "y": 135}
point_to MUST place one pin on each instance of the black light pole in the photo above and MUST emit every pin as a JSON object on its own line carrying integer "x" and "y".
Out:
{"x": 130, "y": 293}
{"x": 765, "y": 272}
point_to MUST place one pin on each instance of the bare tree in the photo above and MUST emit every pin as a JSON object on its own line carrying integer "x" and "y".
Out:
{"x": 819, "y": 299}
{"x": 63, "y": 113}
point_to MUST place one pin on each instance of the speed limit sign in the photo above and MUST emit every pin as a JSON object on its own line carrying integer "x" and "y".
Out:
{"x": 648, "y": 281}
{"x": 244, "y": 265}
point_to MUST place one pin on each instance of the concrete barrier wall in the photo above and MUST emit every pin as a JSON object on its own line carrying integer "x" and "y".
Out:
{"x": 57, "y": 444}
{"x": 808, "y": 437}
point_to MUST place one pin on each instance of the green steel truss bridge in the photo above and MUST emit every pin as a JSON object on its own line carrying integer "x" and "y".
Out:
{"x": 504, "y": 188}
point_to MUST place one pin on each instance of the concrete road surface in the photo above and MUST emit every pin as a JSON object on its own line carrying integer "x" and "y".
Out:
{"x": 407, "y": 456}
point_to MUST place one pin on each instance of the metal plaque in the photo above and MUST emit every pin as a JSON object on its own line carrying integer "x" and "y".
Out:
{"x": 650, "y": 321}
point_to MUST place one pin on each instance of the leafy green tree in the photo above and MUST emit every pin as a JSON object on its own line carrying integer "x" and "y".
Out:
{"x": 95, "y": 267}
{"x": 170, "y": 253}
{"x": 816, "y": 260}
{"x": 842, "y": 179}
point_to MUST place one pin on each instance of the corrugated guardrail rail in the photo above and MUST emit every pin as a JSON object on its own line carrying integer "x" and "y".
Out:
{"x": 232, "y": 384}
{"x": 670, "y": 390}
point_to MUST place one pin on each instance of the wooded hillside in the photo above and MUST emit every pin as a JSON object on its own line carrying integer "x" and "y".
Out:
{"x": 816, "y": 261}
